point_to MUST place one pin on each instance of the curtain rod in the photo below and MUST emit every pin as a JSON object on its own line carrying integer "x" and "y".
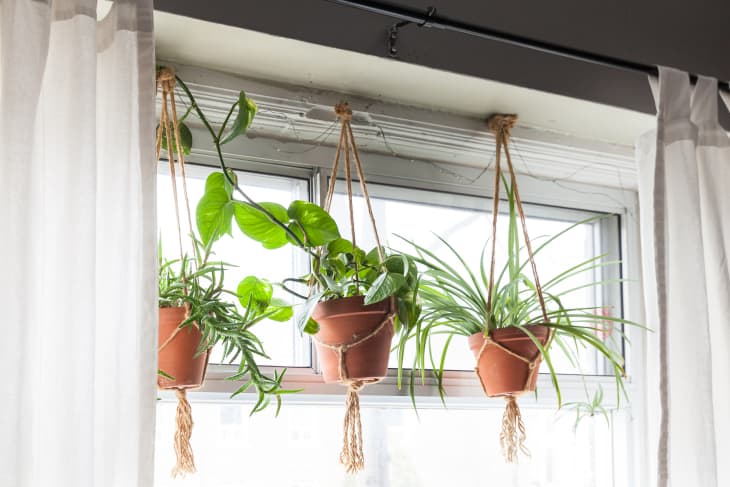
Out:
{"x": 430, "y": 18}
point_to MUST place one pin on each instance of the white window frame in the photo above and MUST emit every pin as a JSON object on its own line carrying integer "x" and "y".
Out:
{"x": 286, "y": 156}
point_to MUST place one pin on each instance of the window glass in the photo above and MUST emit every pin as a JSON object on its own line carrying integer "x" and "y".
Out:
{"x": 284, "y": 345}
{"x": 465, "y": 223}
{"x": 439, "y": 447}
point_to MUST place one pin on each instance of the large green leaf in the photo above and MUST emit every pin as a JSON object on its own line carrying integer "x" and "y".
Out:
{"x": 387, "y": 284}
{"x": 256, "y": 225}
{"x": 282, "y": 311}
{"x": 255, "y": 293}
{"x": 213, "y": 215}
{"x": 319, "y": 227}
{"x": 217, "y": 180}
{"x": 186, "y": 138}
{"x": 246, "y": 112}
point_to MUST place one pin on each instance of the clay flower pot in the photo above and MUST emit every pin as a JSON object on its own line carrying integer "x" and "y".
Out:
{"x": 177, "y": 358}
{"x": 504, "y": 374}
{"x": 346, "y": 320}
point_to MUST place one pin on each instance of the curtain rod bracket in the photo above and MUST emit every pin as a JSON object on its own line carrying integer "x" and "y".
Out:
{"x": 393, "y": 31}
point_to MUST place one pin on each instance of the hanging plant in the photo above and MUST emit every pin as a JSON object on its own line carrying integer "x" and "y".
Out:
{"x": 196, "y": 312}
{"x": 357, "y": 300}
{"x": 511, "y": 321}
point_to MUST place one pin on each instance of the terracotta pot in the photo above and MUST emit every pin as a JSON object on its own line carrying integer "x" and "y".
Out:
{"x": 344, "y": 321}
{"x": 502, "y": 373}
{"x": 177, "y": 358}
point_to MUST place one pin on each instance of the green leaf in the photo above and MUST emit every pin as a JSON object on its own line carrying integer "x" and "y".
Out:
{"x": 246, "y": 112}
{"x": 165, "y": 374}
{"x": 339, "y": 246}
{"x": 373, "y": 257}
{"x": 304, "y": 320}
{"x": 213, "y": 215}
{"x": 282, "y": 310}
{"x": 256, "y": 225}
{"x": 186, "y": 138}
{"x": 255, "y": 293}
{"x": 312, "y": 327}
{"x": 387, "y": 284}
{"x": 217, "y": 180}
{"x": 319, "y": 227}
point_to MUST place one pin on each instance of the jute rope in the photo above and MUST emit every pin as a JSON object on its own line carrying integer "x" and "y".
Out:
{"x": 513, "y": 436}
{"x": 183, "y": 431}
{"x": 183, "y": 419}
{"x": 351, "y": 455}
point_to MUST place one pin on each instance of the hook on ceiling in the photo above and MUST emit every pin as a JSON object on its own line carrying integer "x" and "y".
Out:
{"x": 393, "y": 31}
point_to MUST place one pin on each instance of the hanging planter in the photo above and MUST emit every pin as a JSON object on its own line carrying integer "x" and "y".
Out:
{"x": 178, "y": 356}
{"x": 508, "y": 361}
{"x": 195, "y": 311}
{"x": 356, "y": 300}
{"x": 510, "y": 320}
{"x": 353, "y": 342}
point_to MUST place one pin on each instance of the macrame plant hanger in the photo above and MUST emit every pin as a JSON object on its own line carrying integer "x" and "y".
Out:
{"x": 351, "y": 455}
{"x": 512, "y": 437}
{"x": 185, "y": 461}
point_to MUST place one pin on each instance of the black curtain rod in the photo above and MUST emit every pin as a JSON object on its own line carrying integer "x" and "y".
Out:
{"x": 431, "y": 19}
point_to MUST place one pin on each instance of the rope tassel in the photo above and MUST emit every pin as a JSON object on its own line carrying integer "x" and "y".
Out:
{"x": 513, "y": 436}
{"x": 352, "y": 456}
{"x": 183, "y": 431}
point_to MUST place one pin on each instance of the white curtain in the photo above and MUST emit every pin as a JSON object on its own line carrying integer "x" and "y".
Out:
{"x": 77, "y": 244}
{"x": 684, "y": 191}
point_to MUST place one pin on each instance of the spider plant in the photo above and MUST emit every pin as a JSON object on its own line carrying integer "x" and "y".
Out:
{"x": 198, "y": 284}
{"x": 454, "y": 303}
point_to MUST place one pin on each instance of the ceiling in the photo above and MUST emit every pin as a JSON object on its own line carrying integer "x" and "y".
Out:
{"x": 258, "y": 55}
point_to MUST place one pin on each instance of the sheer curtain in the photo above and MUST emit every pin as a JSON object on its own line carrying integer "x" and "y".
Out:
{"x": 684, "y": 191}
{"x": 77, "y": 245}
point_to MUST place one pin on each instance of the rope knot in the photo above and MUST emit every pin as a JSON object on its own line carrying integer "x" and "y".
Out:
{"x": 166, "y": 75}
{"x": 343, "y": 111}
{"x": 500, "y": 123}
{"x": 356, "y": 386}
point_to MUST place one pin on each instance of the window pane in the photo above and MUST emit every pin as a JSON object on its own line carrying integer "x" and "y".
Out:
{"x": 465, "y": 222}
{"x": 441, "y": 447}
{"x": 281, "y": 341}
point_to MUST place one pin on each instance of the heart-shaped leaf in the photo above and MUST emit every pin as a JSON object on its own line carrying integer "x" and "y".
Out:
{"x": 282, "y": 311}
{"x": 217, "y": 180}
{"x": 256, "y": 225}
{"x": 319, "y": 227}
{"x": 213, "y": 215}
{"x": 255, "y": 293}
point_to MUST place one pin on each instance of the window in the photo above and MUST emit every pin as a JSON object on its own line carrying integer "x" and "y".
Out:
{"x": 453, "y": 446}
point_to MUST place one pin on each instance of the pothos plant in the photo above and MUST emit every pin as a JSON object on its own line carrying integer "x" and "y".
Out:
{"x": 338, "y": 268}
{"x": 454, "y": 298}
{"x": 198, "y": 284}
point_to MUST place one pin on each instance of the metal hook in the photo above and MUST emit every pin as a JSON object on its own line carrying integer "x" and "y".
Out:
{"x": 393, "y": 31}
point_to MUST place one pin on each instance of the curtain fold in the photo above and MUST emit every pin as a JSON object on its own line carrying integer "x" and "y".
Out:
{"x": 78, "y": 248}
{"x": 684, "y": 176}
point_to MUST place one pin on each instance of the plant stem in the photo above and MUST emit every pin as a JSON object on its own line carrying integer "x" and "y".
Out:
{"x": 226, "y": 174}
{"x": 292, "y": 292}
